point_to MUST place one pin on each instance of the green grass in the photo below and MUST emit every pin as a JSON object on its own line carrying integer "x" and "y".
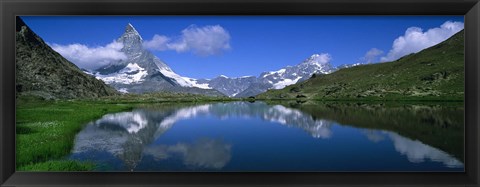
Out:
{"x": 160, "y": 97}
{"x": 46, "y": 130}
{"x": 59, "y": 165}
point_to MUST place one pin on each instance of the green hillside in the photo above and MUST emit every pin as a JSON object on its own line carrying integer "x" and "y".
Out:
{"x": 436, "y": 73}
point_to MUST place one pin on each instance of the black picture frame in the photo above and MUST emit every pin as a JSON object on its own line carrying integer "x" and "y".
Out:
{"x": 11, "y": 8}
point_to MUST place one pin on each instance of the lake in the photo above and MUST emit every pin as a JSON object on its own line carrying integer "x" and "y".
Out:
{"x": 277, "y": 137}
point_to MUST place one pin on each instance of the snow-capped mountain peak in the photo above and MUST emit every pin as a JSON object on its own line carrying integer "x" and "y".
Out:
{"x": 143, "y": 72}
{"x": 317, "y": 63}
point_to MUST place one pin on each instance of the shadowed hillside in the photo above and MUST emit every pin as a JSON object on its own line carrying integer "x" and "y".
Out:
{"x": 42, "y": 72}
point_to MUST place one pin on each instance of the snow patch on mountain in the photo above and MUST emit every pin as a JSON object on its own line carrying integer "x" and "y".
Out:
{"x": 132, "y": 73}
{"x": 169, "y": 73}
{"x": 183, "y": 81}
{"x": 350, "y": 65}
{"x": 285, "y": 82}
{"x": 279, "y": 72}
{"x": 194, "y": 83}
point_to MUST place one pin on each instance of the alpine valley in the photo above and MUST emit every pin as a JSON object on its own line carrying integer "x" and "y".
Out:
{"x": 80, "y": 108}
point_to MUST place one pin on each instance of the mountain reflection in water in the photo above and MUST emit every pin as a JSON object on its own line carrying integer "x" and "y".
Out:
{"x": 206, "y": 138}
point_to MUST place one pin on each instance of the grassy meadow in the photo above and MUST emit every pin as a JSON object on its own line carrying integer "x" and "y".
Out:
{"x": 46, "y": 129}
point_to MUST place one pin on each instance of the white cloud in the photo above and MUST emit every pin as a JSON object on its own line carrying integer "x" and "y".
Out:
{"x": 91, "y": 57}
{"x": 416, "y": 40}
{"x": 158, "y": 43}
{"x": 322, "y": 58}
{"x": 371, "y": 56}
{"x": 203, "y": 41}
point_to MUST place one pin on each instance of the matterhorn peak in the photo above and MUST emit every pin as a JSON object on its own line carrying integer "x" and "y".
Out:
{"x": 131, "y": 40}
{"x": 129, "y": 29}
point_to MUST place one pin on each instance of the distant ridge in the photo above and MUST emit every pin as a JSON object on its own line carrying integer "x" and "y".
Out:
{"x": 251, "y": 85}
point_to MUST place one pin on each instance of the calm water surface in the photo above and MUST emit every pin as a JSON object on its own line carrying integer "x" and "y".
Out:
{"x": 243, "y": 136}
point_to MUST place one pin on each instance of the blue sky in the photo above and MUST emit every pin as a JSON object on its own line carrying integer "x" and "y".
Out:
{"x": 254, "y": 44}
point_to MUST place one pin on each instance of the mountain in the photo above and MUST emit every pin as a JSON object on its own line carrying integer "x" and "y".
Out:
{"x": 435, "y": 73}
{"x": 288, "y": 76}
{"x": 143, "y": 72}
{"x": 249, "y": 85}
{"x": 230, "y": 86}
{"x": 292, "y": 74}
{"x": 43, "y": 72}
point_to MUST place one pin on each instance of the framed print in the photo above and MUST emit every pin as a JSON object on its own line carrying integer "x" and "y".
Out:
{"x": 237, "y": 93}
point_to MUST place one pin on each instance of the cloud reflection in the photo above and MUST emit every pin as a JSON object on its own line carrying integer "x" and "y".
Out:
{"x": 374, "y": 135}
{"x": 203, "y": 153}
{"x": 417, "y": 152}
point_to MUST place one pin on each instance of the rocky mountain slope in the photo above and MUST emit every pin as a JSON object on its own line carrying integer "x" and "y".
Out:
{"x": 43, "y": 72}
{"x": 229, "y": 86}
{"x": 435, "y": 73}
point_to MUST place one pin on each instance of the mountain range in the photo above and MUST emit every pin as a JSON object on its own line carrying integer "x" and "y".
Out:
{"x": 143, "y": 72}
